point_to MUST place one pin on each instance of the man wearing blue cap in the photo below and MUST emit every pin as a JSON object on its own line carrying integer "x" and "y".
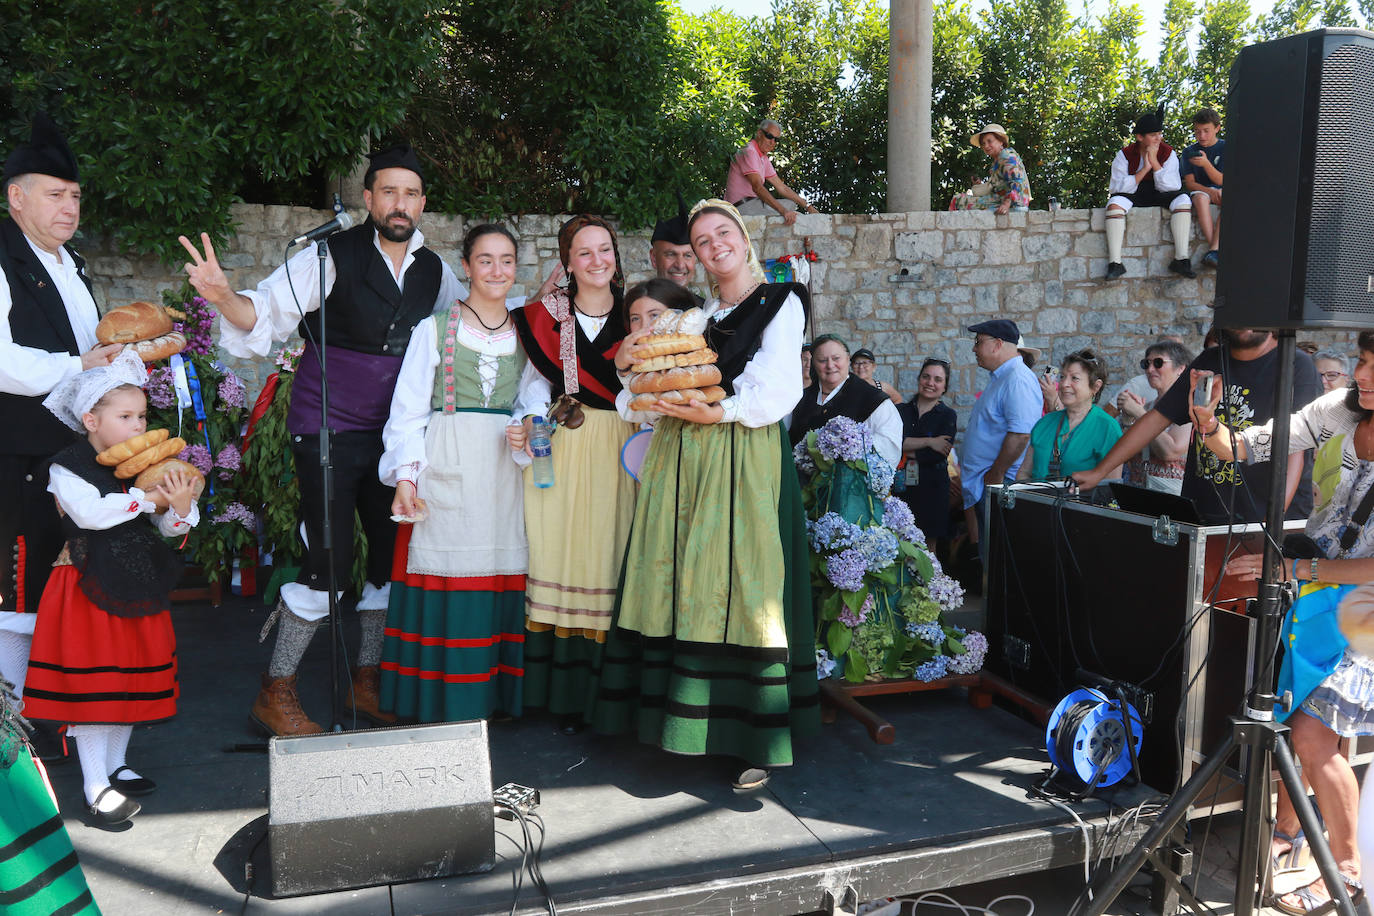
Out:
{"x": 380, "y": 282}
{"x": 1000, "y": 424}
{"x": 47, "y": 334}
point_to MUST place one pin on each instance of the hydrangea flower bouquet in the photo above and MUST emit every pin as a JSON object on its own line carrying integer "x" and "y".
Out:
{"x": 879, "y": 591}
{"x": 228, "y": 526}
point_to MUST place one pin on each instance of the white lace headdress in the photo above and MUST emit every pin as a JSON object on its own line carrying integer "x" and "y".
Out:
{"x": 75, "y": 397}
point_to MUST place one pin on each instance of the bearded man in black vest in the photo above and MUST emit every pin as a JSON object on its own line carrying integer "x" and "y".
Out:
{"x": 47, "y": 334}
{"x": 380, "y": 282}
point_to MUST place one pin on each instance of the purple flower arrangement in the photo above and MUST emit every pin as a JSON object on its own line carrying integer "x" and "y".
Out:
{"x": 232, "y": 395}
{"x": 237, "y": 512}
{"x": 197, "y": 328}
{"x": 842, "y": 439}
{"x": 161, "y": 388}
{"x": 866, "y": 542}
{"x": 199, "y": 456}
{"x": 228, "y": 462}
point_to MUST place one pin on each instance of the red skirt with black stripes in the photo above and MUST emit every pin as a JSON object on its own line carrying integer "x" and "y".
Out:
{"x": 90, "y": 667}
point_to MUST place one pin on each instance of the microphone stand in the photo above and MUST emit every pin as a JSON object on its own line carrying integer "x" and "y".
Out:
{"x": 327, "y": 487}
{"x": 1257, "y": 732}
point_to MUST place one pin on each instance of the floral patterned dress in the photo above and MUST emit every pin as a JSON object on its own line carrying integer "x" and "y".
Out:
{"x": 1009, "y": 182}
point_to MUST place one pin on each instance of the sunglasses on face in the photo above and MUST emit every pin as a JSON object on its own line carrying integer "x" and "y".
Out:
{"x": 774, "y": 137}
{"x": 1158, "y": 362}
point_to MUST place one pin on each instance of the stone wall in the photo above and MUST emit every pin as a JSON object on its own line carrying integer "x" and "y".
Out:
{"x": 906, "y": 285}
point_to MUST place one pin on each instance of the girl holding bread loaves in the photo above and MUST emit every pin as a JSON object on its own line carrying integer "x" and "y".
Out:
{"x": 1331, "y": 680}
{"x": 104, "y": 654}
{"x": 577, "y": 528}
{"x": 455, "y": 623}
{"x": 712, "y": 649}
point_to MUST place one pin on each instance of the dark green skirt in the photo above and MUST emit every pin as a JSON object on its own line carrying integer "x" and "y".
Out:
{"x": 560, "y": 672}
{"x": 39, "y": 872}
{"x": 721, "y": 699}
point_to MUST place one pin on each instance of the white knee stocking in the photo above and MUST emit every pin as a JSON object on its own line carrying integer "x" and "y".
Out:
{"x": 92, "y": 749}
{"x": 1116, "y": 234}
{"x": 1181, "y": 225}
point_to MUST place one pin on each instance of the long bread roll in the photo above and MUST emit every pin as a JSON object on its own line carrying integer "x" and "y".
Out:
{"x": 149, "y": 457}
{"x": 127, "y": 449}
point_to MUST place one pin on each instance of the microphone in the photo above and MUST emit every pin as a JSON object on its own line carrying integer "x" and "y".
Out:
{"x": 337, "y": 224}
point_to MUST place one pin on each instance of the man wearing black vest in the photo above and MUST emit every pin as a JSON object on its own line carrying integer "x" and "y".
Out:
{"x": 47, "y": 334}
{"x": 380, "y": 282}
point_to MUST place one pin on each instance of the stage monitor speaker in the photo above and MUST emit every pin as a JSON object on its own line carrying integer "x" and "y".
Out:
{"x": 1297, "y": 218}
{"x": 356, "y": 809}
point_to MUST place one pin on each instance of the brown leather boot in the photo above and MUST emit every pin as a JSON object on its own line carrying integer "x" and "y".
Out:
{"x": 277, "y": 710}
{"x": 365, "y": 698}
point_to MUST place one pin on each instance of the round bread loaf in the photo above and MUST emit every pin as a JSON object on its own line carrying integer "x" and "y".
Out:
{"x": 150, "y": 351}
{"x": 675, "y": 379}
{"x": 133, "y": 322}
{"x": 152, "y": 476}
{"x": 700, "y": 357}
{"x": 665, "y": 344}
{"x": 708, "y": 395}
{"x": 127, "y": 449}
{"x": 149, "y": 457}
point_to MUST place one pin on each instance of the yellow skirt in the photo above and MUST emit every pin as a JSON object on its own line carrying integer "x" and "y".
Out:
{"x": 577, "y": 528}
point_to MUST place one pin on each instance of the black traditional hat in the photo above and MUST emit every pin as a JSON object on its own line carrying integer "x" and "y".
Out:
{"x": 46, "y": 153}
{"x": 1151, "y": 122}
{"x": 674, "y": 229}
{"x": 400, "y": 156}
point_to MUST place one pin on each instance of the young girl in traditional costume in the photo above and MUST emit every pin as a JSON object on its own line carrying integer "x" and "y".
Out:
{"x": 713, "y": 644}
{"x": 104, "y": 654}
{"x": 578, "y": 527}
{"x": 455, "y": 625}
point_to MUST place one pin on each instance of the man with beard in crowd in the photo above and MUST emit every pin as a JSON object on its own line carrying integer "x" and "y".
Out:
{"x": 380, "y": 282}
{"x": 1246, "y": 364}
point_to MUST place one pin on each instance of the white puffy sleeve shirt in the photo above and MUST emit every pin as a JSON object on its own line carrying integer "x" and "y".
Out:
{"x": 85, "y": 506}
{"x": 29, "y": 371}
{"x": 770, "y": 385}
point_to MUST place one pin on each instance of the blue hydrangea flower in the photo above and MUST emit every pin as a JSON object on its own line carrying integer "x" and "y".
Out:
{"x": 831, "y": 532}
{"x": 946, "y": 592}
{"x": 880, "y": 474}
{"x": 929, "y": 633}
{"x": 879, "y": 547}
{"x": 897, "y": 516}
{"x": 825, "y": 665}
{"x": 843, "y": 439}
{"x": 932, "y": 670}
{"x": 801, "y": 456}
{"x": 845, "y": 569}
{"x": 975, "y": 650}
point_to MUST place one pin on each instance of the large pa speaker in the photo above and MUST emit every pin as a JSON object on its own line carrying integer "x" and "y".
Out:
{"x": 1297, "y": 223}
{"x": 357, "y": 809}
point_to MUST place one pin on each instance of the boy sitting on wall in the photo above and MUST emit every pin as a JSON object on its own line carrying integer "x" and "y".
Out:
{"x": 1146, "y": 174}
{"x": 1202, "y": 177}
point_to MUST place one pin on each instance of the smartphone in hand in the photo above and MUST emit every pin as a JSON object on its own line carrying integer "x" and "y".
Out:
{"x": 1202, "y": 394}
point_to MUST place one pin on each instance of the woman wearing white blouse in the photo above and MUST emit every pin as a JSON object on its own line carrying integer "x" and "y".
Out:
{"x": 840, "y": 393}
{"x": 712, "y": 644}
{"x": 455, "y": 622}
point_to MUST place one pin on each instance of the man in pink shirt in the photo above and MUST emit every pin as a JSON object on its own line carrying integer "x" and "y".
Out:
{"x": 751, "y": 167}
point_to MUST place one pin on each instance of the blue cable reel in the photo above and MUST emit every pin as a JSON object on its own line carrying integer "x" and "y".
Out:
{"x": 1093, "y": 740}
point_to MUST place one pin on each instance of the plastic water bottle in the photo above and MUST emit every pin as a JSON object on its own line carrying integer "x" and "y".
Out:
{"x": 542, "y": 448}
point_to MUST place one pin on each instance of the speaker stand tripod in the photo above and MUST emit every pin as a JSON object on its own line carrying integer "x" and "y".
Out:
{"x": 1257, "y": 731}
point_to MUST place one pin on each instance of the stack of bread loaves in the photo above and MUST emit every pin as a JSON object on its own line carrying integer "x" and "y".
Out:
{"x": 148, "y": 457}
{"x": 147, "y": 327}
{"x": 678, "y": 367}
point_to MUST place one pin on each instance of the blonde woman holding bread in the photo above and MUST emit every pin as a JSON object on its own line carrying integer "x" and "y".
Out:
{"x": 712, "y": 649}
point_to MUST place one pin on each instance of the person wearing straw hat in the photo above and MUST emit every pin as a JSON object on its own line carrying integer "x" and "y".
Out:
{"x": 1007, "y": 187}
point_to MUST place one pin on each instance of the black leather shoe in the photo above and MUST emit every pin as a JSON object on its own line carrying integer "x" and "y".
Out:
{"x": 1183, "y": 267}
{"x": 121, "y": 813}
{"x": 138, "y": 785}
{"x": 1115, "y": 269}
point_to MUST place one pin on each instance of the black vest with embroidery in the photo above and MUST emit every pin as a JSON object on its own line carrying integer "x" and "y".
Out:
{"x": 857, "y": 400}
{"x": 37, "y": 319}
{"x": 127, "y": 570}
{"x": 367, "y": 312}
{"x": 738, "y": 336}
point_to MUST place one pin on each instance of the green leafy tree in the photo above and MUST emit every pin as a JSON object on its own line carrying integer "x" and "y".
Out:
{"x": 169, "y": 105}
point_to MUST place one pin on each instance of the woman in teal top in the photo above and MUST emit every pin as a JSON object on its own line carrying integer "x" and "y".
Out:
{"x": 1079, "y": 435}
